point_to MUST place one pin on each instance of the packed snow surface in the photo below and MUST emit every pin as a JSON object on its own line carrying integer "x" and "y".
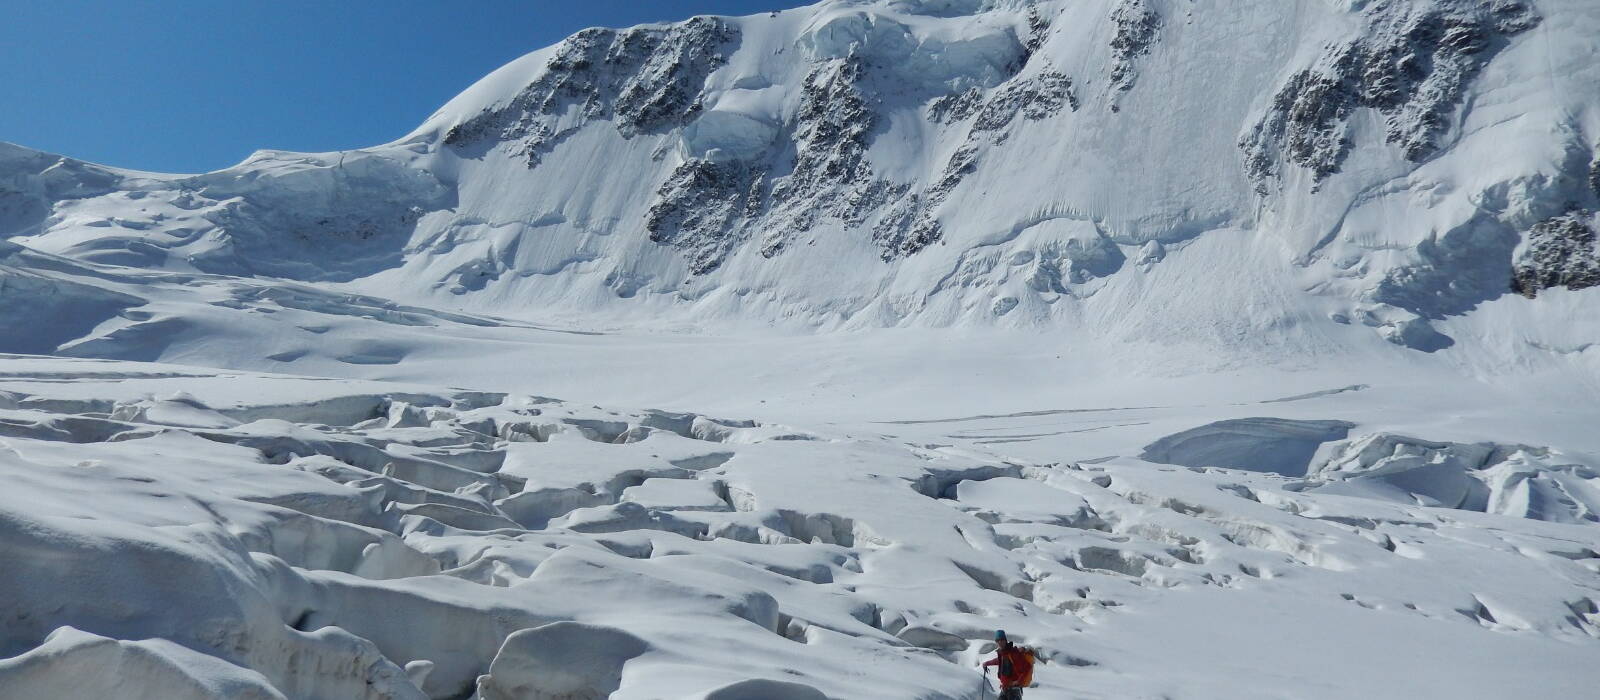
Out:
{"x": 1213, "y": 348}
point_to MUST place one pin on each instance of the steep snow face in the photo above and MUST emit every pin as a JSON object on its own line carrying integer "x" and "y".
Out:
{"x": 859, "y": 164}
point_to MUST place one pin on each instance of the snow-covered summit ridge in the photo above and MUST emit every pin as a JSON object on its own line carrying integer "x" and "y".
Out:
{"x": 869, "y": 163}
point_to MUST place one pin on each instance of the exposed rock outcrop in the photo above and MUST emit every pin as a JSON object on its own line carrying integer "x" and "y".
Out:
{"x": 1412, "y": 66}
{"x": 644, "y": 79}
{"x": 1136, "y": 28}
{"x": 1560, "y": 252}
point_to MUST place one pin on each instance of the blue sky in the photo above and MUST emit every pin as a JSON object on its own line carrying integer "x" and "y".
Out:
{"x": 196, "y": 85}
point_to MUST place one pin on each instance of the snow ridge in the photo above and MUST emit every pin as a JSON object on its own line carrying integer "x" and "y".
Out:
{"x": 707, "y": 170}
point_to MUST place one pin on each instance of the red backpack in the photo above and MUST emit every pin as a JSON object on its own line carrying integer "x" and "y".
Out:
{"x": 1016, "y": 664}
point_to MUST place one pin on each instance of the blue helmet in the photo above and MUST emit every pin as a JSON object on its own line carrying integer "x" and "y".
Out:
{"x": 999, "y": 635}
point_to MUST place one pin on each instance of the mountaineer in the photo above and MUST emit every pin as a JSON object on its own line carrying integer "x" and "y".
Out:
{"x": 1016, "y": 666}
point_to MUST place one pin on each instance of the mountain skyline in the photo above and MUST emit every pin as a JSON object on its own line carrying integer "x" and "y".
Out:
{"x": 1211, "y": 349}
{"x": 123, "y": 85}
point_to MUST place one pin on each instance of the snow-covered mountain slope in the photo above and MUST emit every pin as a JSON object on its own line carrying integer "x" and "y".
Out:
{"x": 1217, "y": 348}
{"x": 862, "y": 164}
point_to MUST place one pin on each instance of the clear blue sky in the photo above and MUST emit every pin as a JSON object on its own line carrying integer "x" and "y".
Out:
{"x": 196, "y": 85}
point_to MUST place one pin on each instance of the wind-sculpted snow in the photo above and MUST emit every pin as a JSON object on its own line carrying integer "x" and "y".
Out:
{"x": 36, "y": 181}
{"x": 41, "y": 312}
{"x": 200, "y": 536}
{"x": 313, "y": 220}
{"x": 317, "y": 218}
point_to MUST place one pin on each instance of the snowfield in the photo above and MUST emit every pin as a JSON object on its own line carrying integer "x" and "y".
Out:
{"x": 193, "y": 533}
{"x": 1214, "y": 349}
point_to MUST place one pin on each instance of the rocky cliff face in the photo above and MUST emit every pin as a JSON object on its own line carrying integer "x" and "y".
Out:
{"x": 867, "y": 163}
{"x": 1411, "y": 65}
{"x": 642, "y": 80}
{"x": 1561, "y": 252}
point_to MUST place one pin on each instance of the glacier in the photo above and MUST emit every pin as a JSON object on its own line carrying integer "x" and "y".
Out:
{"x": 1211, "y": 348}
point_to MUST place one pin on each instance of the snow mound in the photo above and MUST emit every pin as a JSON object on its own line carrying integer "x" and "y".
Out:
{"x": 560, "y": 661}
{"x": 74, "y": 663}
{"x": 763, "y": 689}
{"x": 1273, "y": 445}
